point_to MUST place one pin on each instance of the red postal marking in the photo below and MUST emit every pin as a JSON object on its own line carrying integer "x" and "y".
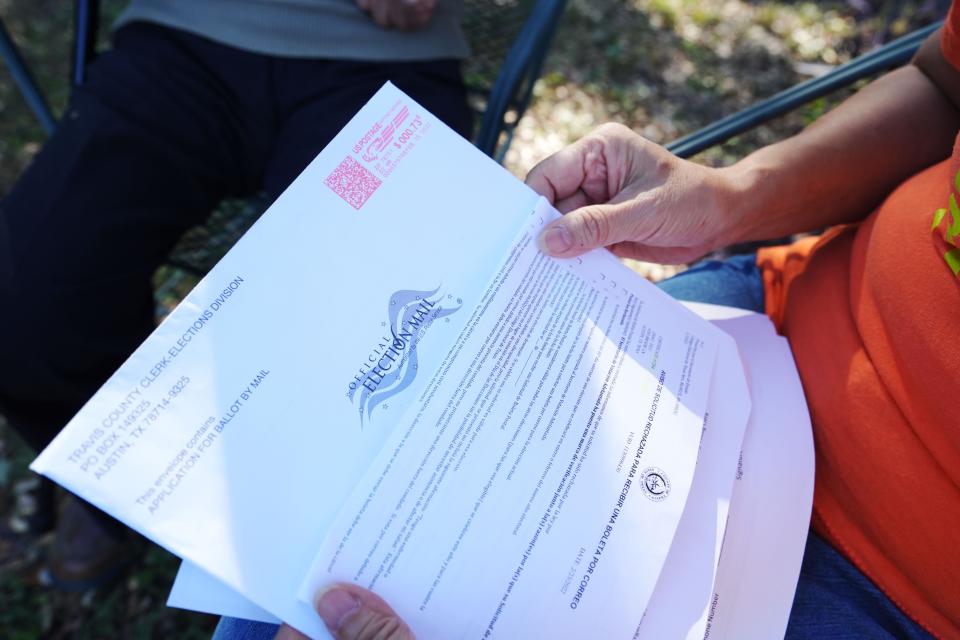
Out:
{"x": 353, "y": 182}
{"x": 377, "y": 154}
{"x": 390, "y": 139}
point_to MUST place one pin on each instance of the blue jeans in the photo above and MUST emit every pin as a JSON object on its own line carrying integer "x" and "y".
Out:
{"x": 834, "y": 600}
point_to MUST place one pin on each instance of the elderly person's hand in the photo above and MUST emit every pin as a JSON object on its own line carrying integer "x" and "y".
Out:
{"x": 353, "y": 613}
{"x": 634, "y": 197}
{"x": 405, "y": 15}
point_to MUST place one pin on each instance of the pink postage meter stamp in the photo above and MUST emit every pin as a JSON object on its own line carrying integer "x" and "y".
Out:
{"x": 374, "y": 157}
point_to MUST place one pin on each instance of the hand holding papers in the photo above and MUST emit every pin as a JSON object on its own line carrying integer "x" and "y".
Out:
{"x": 271, "y": 342}
{"x": 734, "y": 560}
{"x": 432, "y": 407}
{"x": 536, "y": 459}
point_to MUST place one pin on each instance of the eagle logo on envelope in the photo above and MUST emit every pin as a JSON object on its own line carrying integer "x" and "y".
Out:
{"x": 392, "y": 364}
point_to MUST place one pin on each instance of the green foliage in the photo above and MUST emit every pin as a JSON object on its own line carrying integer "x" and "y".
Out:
{"x": 20, "y": 606}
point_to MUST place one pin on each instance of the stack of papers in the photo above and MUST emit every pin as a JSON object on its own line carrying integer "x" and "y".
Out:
{"x": 385, "y": 382}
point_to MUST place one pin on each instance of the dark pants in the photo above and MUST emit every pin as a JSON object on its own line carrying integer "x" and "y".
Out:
{"x": 166, "y": 126}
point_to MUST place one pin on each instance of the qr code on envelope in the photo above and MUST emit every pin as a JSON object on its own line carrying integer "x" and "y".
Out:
{"x": 352, "y": 182}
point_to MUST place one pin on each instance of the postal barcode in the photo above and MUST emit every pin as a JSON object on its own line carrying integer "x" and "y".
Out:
{"x": 352, "y": 182}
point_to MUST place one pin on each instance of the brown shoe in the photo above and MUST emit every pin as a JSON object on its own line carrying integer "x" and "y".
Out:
{"x": 89, "y": 548}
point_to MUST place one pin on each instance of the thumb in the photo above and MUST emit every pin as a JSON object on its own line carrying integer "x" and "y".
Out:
{"x": 353, "y": 613}
{"x": 584, "y": 229}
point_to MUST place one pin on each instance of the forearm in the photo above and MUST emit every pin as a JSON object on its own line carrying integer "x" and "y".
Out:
{"x": 838, "y": 169}
{"x": 634, "y": 197}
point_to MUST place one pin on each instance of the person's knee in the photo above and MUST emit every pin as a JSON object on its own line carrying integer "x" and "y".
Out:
{"x": 58, "y": 340}
{"x": 735, "y": 282}
{"x": 25, "y": 379}
{"x": 19, "y": 328}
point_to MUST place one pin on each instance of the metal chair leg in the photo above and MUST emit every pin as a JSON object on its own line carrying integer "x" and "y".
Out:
{"x": 24, "y": 79}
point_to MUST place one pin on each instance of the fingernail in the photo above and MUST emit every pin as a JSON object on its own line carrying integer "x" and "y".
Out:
{"x": 556, "y": 239}
{"x": 334, "y": 605}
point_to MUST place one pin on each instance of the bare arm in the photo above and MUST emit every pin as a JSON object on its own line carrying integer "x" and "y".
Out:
{"x": 634, "y": 197}
{"x": 838, "y": 169}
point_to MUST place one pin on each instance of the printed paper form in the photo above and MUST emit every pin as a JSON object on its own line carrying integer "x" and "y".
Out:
{"x": 681, "y": 601}
{"x": 196, "y": 590}
{"x": 546, "y": 465}
{"x": 769, "y": 512}
{"x": 240, "y": 416}
{"x": 262, "y": 399}
{"x": 771, "y": 482}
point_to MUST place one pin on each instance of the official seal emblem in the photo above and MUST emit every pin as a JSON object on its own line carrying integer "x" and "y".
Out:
{"x": 656, "y": 484}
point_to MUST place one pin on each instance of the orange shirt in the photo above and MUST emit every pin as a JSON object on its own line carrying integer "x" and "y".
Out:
{"x": 872, "y": 313}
